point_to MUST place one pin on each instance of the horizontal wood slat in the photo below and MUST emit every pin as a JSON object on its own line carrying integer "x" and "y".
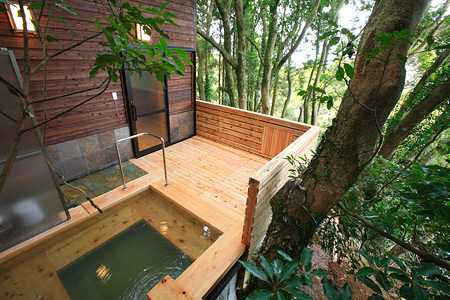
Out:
{"x": 69, "y": 71}
{"x": 256, "y": 133}
{"x": 266, "y": 182}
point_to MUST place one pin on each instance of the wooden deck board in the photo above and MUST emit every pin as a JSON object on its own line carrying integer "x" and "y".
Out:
{"x": 206, "y": 169}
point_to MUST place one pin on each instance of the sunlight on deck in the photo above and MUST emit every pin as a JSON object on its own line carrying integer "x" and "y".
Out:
{"x": 206, "y": 170}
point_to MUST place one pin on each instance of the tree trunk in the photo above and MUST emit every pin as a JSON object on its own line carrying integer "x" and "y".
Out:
{"x": 200, "y": 71}
{"x": 241, "y": 48}
{"x": 288, "y": 98}
{"x": 268, "y": 54}
{"x": 416, "y": 115}
{"x": 351, "y": 142}
{"x": 274, "y": 96}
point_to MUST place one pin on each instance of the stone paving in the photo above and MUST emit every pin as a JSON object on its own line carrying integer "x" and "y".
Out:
{"x": 100, "y": 182}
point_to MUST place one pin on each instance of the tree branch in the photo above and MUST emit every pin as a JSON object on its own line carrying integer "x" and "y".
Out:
{"x": 257, "y": 49}
{"x": 48, "y": 58}
{"x": 73, "y": 93}
{"x": 300, "y": 37}
{"x": 424, "y": 255}
{"x": 70, "y": 109}
{"x": 219, "y": 47}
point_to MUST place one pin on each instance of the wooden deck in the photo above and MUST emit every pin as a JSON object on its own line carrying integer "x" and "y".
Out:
{"x": 206, "y": 170}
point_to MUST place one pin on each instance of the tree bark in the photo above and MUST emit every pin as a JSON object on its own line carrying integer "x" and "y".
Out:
{"x": 268, "y": 54}
{"x": 241, "y": 48}
{"x": 200, "y": 71}
{"x": 351, "y": 142}
{"x": 288, "y": 98}
{"x": 274, "y": 96}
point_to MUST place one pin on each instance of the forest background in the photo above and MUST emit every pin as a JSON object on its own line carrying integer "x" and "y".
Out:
{"x": 296, "y": 60}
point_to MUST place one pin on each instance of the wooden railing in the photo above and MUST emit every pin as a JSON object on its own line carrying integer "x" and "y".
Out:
{"x": 266, "y": 136}
{"x": 266, "y": 182}
{"x": 252, "y": 132}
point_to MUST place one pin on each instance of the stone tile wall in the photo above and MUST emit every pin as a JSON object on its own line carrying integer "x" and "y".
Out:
{"x": 80, "y": 157}
{"x": 181, "y": 126}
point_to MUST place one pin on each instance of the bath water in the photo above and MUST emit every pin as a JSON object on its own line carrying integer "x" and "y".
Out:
{"x": 126, "y": 267}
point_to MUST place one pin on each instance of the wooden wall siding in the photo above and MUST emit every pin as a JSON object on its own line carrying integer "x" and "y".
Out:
{"x": 70, "y": 72}
{"x": 266, "y": 182}
{"x": 181, "y": 90}
{"x": 256, "y": 133}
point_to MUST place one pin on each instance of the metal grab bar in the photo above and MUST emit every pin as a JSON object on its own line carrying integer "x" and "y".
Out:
{"x": 135, "y": 136}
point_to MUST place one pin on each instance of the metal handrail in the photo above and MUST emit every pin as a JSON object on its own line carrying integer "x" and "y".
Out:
{"x": 135, "y": 136}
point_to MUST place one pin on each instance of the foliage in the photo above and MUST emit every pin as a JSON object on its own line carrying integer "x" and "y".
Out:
{"x": 299, "y": 164}
{"x": 388, "y": 274}
{"x": 428, "y": 127}
{"x": 415, "y": 208}
{"x": 282, "y": 278}
{"x": 118, "y": 48}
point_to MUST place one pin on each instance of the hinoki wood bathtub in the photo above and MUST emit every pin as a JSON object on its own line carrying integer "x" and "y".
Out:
{"x": 29, "y": 270}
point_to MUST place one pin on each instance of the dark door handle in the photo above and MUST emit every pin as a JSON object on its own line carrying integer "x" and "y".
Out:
{"x": 133, "y": 113}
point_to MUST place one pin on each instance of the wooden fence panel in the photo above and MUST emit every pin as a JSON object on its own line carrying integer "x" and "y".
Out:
{"x": 265, "y": 183}
{"x": 253, "y": 132}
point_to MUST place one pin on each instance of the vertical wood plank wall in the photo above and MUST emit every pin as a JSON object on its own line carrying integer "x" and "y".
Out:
{"x": 253, "y": 132}
{"x": 265, "y": 183}
{"x": 70, "y": 72}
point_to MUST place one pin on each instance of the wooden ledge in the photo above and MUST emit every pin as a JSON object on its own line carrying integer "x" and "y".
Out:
{"x": 168, "y": 289}
{"x": 210, "y": 212}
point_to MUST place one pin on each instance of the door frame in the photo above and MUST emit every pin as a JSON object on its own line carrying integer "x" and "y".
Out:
{"x": 132, "y": 114}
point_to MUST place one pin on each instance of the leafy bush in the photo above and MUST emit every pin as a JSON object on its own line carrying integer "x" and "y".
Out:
{"x": 281, "y": 279}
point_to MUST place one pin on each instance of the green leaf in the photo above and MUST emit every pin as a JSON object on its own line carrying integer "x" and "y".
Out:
{"x": 51, "y": 39}
{"x": 439, "y": 285}
{"x": 260, "y": 295}
{"x": 284, "y": 254}
{"x": 375, "y": 297}
{"x": 383, "y": 281}
{"x": 370, "y": 284}
{"x": 277, "y": 267}
{"x": 37, "y": 5}
{"x": 254, "y": 270}
{"x": 427, "y": 269}
{"x": 340, "y": 74}
{"x": 330, "y": 102}
{"x": 318, "y": 272}
{"x": 366, "y": 271}
{"x": 329, "y": 289}
{"x": 400, "y": 263}
{"x": 365, "y": 255}
{"x": 6, "y": 2}
{"x": 307, "y": 279}
{"x": 419, "y": 292}
{"x": 349, "y": 70}
{"x": 179, "y": 63}
{"x": 300, "y": 295}
{"x": 430, "y": 40}
{"x": 294, "y": 282}
{"x": 305, "y": 258}
{"x": 64, "y": 21}
{"x": 381, "y": 262}
{"x": 280, "y": 296}
{"x": 346, "y": 292}
{"x": 327, "y": 34}
{"x": 69, "y": 9}
{"x": 266, "y": 265}
{"x": 289, "y": 269}
{"x": 401, "y": 277}
{"x": 334, "y": 41}
{"x": 163, "y": 44}
{"x": 402, "y": 57}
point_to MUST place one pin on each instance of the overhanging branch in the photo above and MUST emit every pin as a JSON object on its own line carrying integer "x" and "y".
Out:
{"x": 219, "y": 47}
{"x": 409, "y": 247}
